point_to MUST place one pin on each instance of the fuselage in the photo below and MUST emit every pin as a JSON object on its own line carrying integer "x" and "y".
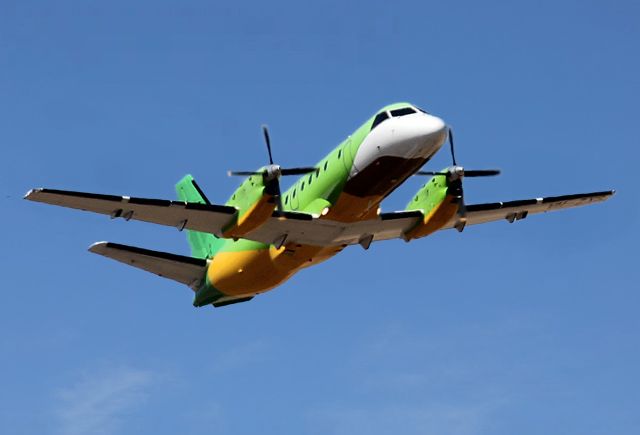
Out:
{"x": 349, "y": 185}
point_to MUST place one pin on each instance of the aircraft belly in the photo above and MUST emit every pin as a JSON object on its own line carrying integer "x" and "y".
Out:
{"x": 382, "y": 176}
{"x": 364, "y": 191}
{"x": 259, "y": 270}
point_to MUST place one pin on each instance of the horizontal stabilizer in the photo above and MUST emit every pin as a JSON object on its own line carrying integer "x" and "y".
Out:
{"x": 186, "y": 270}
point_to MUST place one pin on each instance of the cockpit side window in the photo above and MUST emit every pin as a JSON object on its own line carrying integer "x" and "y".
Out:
{"x": 380, "y": 117}
{"x": 402, "y": 112}
{"x": 422, "y": 110}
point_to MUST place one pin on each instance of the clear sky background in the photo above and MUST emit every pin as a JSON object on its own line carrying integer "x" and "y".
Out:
{"x": 528, "y": 328}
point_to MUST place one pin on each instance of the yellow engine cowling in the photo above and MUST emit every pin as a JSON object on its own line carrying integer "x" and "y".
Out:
{"x": 437, "y": 202}
{"x": 255, "y": 205}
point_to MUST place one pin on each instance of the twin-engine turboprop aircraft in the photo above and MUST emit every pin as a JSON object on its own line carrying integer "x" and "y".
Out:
{"x": 261, "y": 237}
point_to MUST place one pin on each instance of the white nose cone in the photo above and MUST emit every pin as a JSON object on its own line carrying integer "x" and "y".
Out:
{"x": 414, "y": 136}
{"x": 433, "y": 128}
{"x": 408, "y": 137}
{"x": 420, "y": 135}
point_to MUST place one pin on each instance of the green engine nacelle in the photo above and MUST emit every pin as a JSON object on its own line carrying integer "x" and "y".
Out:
{"x": 437, "y": 204}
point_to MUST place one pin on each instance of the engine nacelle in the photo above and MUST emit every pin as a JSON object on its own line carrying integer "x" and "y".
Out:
{"x": 438, "y": 202}
{"x": 255, "y": 205}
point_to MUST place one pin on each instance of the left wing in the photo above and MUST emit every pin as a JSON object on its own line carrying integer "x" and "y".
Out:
{"x": 322, "y": 232}
{"x": 517, "y": 210}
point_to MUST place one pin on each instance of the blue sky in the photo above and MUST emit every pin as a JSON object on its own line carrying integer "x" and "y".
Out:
{"x": 528, "y": 328}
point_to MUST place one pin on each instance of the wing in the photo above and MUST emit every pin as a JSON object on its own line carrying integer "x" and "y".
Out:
{"x": 296, "y": 228}
{"x": 517, "y": 210}
{"x": 395, "y": 225}
{"x": 324, "y": 232}
{"x": 208, "y": 218}
{"x": 200, "y": 217}
{"x": 289, "y": 227}
{"x": 187, "y": 270}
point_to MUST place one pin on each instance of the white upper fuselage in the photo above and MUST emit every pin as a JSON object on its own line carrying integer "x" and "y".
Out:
{"x": 413, "y": 136}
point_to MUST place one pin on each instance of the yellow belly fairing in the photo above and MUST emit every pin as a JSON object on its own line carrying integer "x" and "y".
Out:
{"x": 256, "y": 271}
{"x": 237, "y": 273}
{"x": 350, "y": 208}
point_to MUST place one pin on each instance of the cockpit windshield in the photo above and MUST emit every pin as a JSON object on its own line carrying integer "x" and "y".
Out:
{"x": 380, "y": 117}
{"x": 404, "y": 111}
{"x": 383, "y": 116}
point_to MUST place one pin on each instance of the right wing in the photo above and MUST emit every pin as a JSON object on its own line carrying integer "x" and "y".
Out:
{"x": 207, "y": 218}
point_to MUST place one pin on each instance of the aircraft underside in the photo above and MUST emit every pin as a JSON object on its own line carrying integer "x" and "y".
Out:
{"x": 261, "y": 237}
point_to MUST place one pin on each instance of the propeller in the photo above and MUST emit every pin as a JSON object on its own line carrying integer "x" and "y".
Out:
{"x": 454, "y": 176}
{"x": 465, "y": 172}
{"x": 272, "y": 172}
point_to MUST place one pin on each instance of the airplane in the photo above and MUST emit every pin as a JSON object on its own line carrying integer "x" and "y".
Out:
{"x": 261, "y": 236}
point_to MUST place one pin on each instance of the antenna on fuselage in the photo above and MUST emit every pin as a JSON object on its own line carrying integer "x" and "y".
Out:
{"x": 271, "y": 173}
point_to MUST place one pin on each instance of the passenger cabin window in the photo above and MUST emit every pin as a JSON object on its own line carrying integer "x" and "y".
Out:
{"x": 402, "y": 112}
{"x": 380, "y": 117}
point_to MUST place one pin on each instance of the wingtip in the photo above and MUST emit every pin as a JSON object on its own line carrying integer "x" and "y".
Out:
{"x": 31, "y": 192}
{"x": 98, "y": 247}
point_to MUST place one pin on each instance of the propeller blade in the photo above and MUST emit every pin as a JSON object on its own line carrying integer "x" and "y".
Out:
{"x": 481, "y": 172}
{"x": 453, "y": 154}
{"x": 272, "y": 173}
{"x": 278, "y": 198}
{"x": 466, "y": 172}
{"x": 243, "y": 173}
{"x": 265, "y": 131}
{"x": 431, "y": 173}
{"x": 279, "y": 206}
{"x": 297, "y": 171}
